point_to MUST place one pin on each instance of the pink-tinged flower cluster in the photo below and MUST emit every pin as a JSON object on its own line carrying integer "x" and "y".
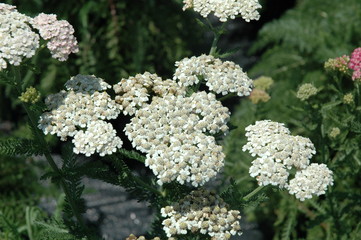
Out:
{"x": 355, "y": 64}
{"x": 338, "y": 64}
{"x": 59, "y": 33}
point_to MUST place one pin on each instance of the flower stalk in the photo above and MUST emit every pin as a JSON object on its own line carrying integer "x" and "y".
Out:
{"x": 46, "y": 151}
{"x": 253, "y": 193}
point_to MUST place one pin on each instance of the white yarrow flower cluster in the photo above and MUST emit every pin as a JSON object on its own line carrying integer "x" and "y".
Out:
{"x": 6, "y": 7}
{"x": 201, "y": 211}
{"x": 99, "y": 137}
{"x": 277, "y": 152}
{"x": 85, "y": 105}
{"x": 17, "y": 40}
{"x": 60, "y": 34}
{"x": 134, "y": 92}
{"x": 221, "y": 77}
{"x": 310, "y": 181}
{"x": 194, "y": 158}
{"x": 225, "y": 9}
{"x": 171, "y": 130}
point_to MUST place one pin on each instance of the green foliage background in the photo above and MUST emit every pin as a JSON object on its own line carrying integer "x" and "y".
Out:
{"x": 292, "y": 51}
{"x": 116, "y": 38}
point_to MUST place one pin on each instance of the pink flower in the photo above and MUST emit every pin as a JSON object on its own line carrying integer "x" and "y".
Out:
{"x": 356, "y": 75}
{"x": 59, "y": 33}
{"x": 355, "y": 60}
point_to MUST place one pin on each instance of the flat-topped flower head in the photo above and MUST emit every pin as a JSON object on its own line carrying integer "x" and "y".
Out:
{"x": 171, "y": 130}
{"x": 355, "y": 64}
{"x": 220, "y": 77}
{"x": 6, "y": 7}
{"x": 356, "y": 75}
{"x": 188, "y": 158}
{"x": 17, "y": 39}
{"x": 275, "y": 158}
{"x": 306, "y": 91}
{"x": 170, "y": 115}
{"x": 268, "y": 171}
{"x": 99, "y": 137}
{"x": 277, "y": 152}
{"x": 59, "y": 33}
{"x": 311, "y": 181}
{"x": 263, "y": 83}
{"x": 259, "y": 95}
{"x": 338, "y": 64}
{"x": 201, "y": 211}
{"x": 86, "y": 84}
{"x": 135, "y": 92}
{"x": 262, "y": 131}
{"x": 355, "y": 59}
{"x": 71, "y": 112}
{"x": 225, "y": 9}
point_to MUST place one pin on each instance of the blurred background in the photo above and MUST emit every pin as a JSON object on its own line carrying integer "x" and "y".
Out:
{"x": 119, "y": 38}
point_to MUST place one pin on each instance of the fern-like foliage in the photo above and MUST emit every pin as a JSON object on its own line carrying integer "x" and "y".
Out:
{"x": 53, "y": 229}
{"x": 14, "y": 147}
{"x": 74, "y": 204}
{"x": 131, "y": 154}
{"x": 315, "y": 29}
{"x": 8, "y": 229}
{"x": 235, "y": 198}
{"x": 143, "y": 190}
{"x": 288, "y": 226}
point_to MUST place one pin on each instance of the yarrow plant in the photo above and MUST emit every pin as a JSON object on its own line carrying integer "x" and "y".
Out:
{"x": 347, "y": 64}
{"x": 225, "y": 10}
{"x": 19, "y": 41}
{"x": 80, "y": 112}
{"x": 61, "y": 41}
{"x": 201, "y": 211}
{"x": 172, "y": 132}
{"x": 278, "y": 152}
{"x": 176, "y": 127}
{"x": 220, "y": 77}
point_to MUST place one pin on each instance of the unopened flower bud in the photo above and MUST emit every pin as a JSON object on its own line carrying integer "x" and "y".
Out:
{"x": 334, "y": 132}
{"x": 348, "y": 98}
{"x": 31, "y": 95}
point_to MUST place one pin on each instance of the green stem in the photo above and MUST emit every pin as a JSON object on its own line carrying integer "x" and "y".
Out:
{"x": 217, "y": 33}
{"x": 213, "y": 49}
{"x": 228, "y": 96}
{"x": 40, "y": 138}
{"x": 253, "y": 193}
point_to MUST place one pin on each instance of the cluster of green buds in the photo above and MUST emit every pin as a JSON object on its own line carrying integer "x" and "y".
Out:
{"x": 31, "y": 95}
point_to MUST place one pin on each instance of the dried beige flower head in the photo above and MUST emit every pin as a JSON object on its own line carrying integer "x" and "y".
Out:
{"x": 306, "y": 91}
